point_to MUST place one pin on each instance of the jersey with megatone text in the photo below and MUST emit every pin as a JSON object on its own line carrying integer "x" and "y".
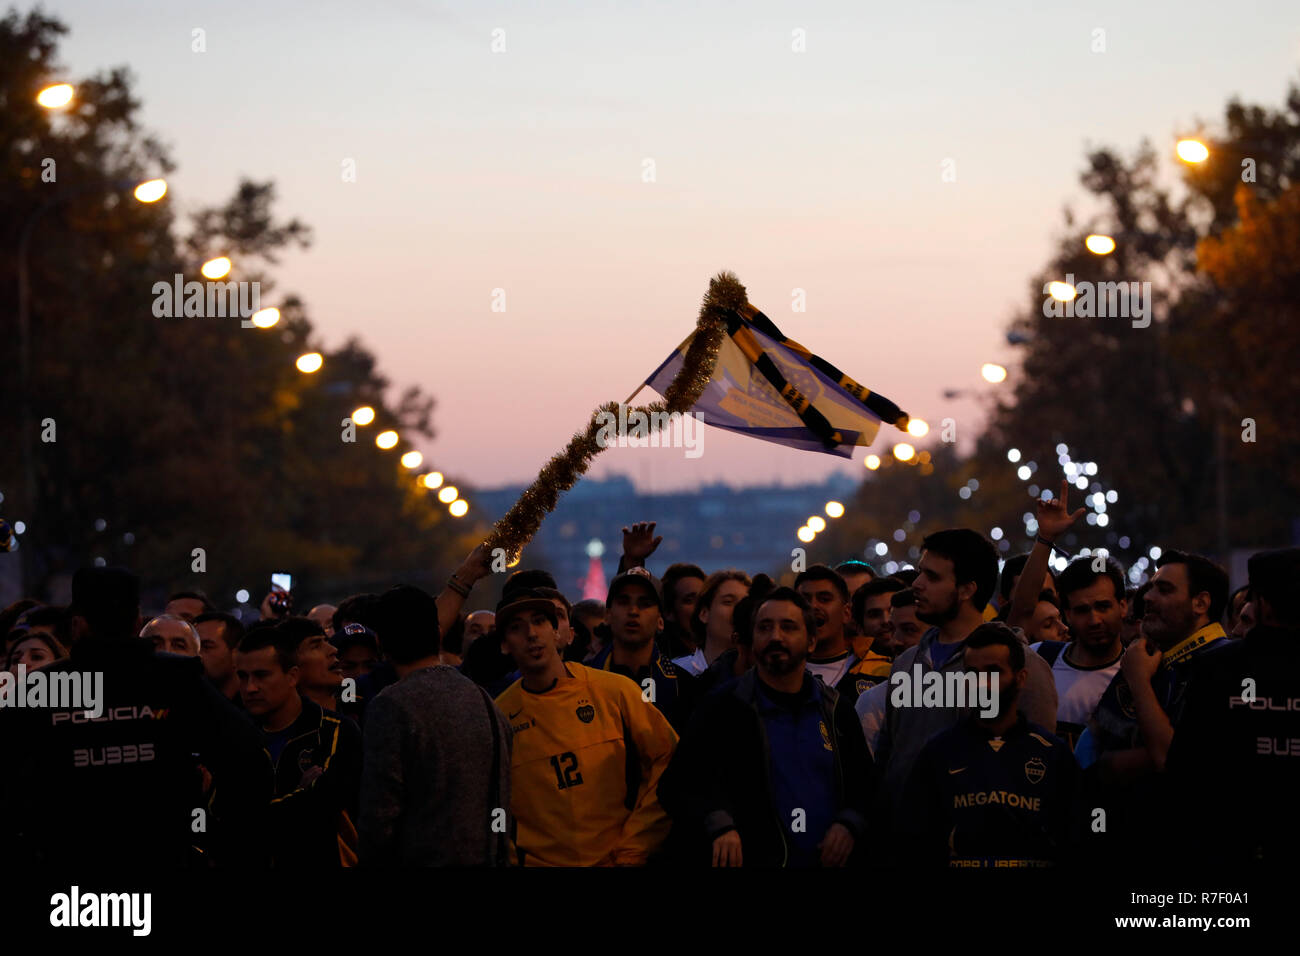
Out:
{"x": 982, "y": 800}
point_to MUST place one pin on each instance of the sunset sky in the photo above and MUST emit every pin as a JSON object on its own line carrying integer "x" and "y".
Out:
{"x": 522, "y": 170}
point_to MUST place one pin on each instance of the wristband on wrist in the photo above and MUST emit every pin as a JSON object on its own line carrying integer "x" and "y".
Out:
{"x": 1041, "y": 540}
{"x": 457, "y": 585}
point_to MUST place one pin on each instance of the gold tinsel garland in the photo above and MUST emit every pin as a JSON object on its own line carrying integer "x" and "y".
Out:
{"x": 562, "y": 472}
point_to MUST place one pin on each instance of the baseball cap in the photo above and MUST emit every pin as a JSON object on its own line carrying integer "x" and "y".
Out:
{"x": 640, "y": 577}
{"x": 354, "y": 633}
{"x": 530, "y": 578}
{"x": 518, "y": 601}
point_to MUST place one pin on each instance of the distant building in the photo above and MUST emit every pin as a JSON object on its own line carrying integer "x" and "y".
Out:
{"x": 715, "y": 527}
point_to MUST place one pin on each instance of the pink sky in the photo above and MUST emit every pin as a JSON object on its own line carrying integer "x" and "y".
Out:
{"x": 522, "y": 170}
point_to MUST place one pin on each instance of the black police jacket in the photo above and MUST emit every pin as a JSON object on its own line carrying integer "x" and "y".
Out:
{"x": 122, "y": 786}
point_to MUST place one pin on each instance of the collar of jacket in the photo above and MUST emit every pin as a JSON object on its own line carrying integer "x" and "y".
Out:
{"x": 1197, "y": 640}
{"x": 310, "y": 720}
{"x": 928, "y": 639}
{"x": 747, "y": 690}
{"x": 932, "y": 635}
{"x": 605, "y": 661}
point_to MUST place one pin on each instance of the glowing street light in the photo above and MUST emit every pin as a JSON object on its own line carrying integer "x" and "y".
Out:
{"x": 448, "y": 494}
{"x": 412, "y": 459}
{"x": 1062, "y": 291}
{"x": 918, "y": 427}
{"x": 834, "y": 509}
{"x": 904, "y": 452}
{"x": 806, "y": 534}
{"x": 432, "y": 480}
{"x": 817, "y": 523}
{"x": 217, "y": 268}
{"x": 1100, "y": 245}
{"x": 310, "y": 362}
{"x": 993, "y": 373}
{"x": 363, "y": 415}
{"x": 386, "y": 440}
{"x": 458, "y": 507}
{"x": 265, "y": 318}
{"x": 872, "y": 462}
{"x": 56, "y": 96}
{"x": 151, "y": 190}
{"x": 1192, "y": 151}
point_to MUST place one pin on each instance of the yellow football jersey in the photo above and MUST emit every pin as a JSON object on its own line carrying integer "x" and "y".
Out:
{"x": 585, "y": 769}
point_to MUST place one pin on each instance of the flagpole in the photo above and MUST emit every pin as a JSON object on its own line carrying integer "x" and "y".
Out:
{"x": 628, "y": 400}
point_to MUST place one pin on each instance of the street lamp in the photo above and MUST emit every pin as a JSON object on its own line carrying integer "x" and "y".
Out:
{"x": 363, "y": 415}
{"x": 310, "y": 362}
{"x": 217, "y": 268}
{"x": 1192, "y": 151}
{"x": 151, "y": 190}
{"x": 56, "y": 96}
{"x": 1100, "y": 245}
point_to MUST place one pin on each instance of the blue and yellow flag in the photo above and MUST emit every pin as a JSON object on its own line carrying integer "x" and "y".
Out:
{"x": 768, "y": 386}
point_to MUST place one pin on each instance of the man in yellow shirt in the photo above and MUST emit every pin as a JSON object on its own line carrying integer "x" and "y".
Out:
{"x": 588, "y": 750}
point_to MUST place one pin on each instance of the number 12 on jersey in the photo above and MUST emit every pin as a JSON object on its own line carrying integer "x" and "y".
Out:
{"x": 566, "y": 770}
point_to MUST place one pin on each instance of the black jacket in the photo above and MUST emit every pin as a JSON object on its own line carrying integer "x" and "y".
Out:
{"x": 122, "y": 788}
{"x": 1235, "y": 763}
{"x": 308, "y": 819}
{"x": 675, "y": 691}
{"x": 720, "y": 777}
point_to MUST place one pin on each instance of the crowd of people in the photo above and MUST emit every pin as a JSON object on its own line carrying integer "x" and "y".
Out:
{"x": 691, "y": 719}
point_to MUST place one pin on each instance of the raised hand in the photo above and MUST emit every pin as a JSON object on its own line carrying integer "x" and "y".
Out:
{"x": 639, "y": 542}
{"x": 477, "y": 565}
{"x": 1054, "y": 517}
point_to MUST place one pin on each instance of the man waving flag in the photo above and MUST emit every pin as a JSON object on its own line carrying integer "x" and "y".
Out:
{"x": 771, "y": 387}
